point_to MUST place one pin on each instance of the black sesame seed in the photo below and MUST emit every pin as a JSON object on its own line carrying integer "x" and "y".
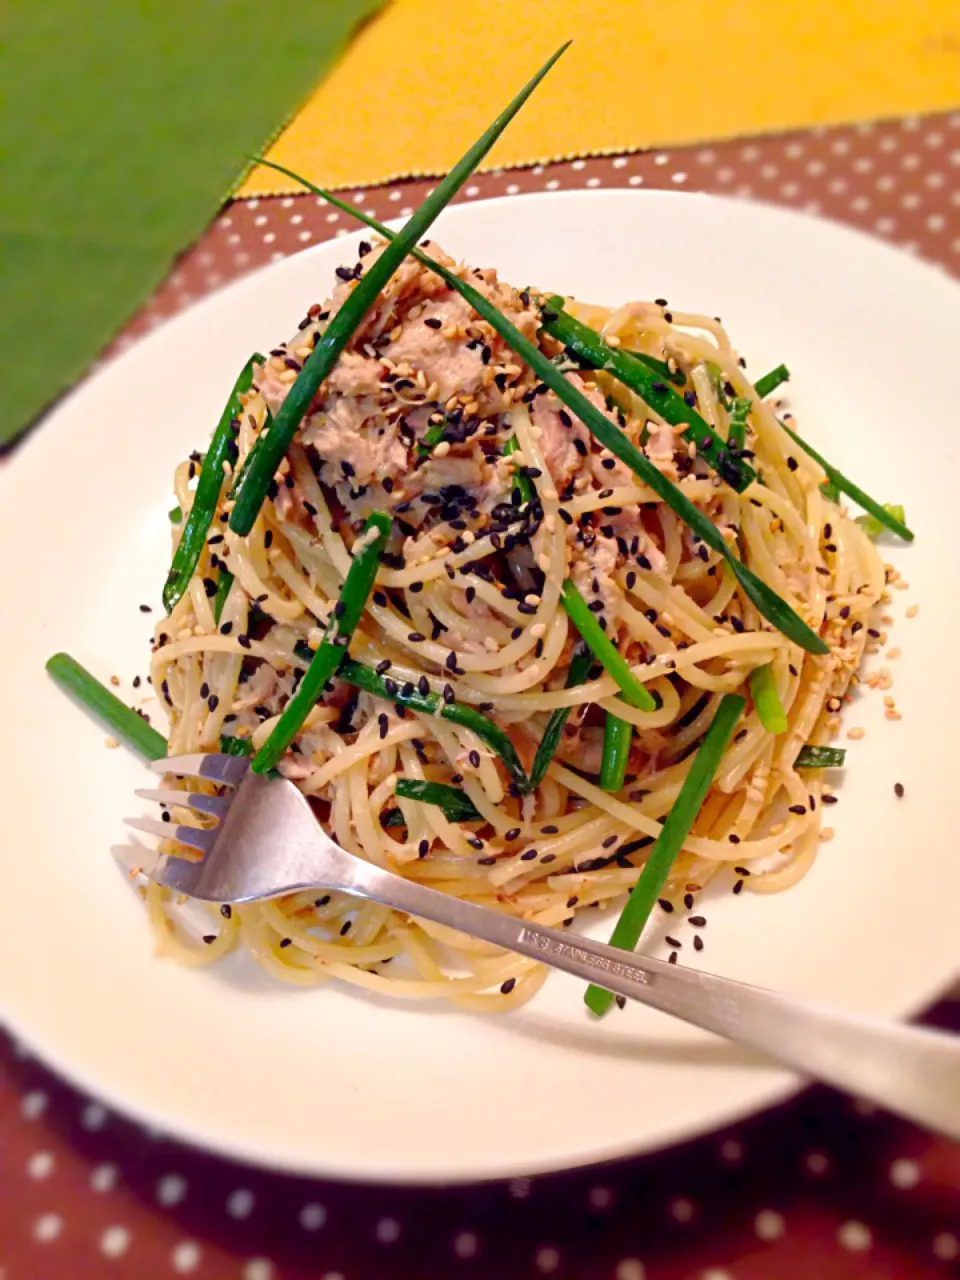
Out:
{"x": 898, "y": 789}
{"x": 209, "y": 937}
{"x": 423, "y": 848}
{"x": 698, "y": 922}
{"x": 665, "y": 905}
{"x": 697, "y": 942}
{"x": 507, "y": 987}
{"x": 738, "y": 887}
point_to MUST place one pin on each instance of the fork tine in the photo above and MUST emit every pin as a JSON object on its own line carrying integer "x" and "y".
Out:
{"x": 137, "y": 857}
{"x": 179, "y": 874}
{"x": 214, "y": 765}
{"x": 189, "y": 799}
{"x": 196, "y": 837}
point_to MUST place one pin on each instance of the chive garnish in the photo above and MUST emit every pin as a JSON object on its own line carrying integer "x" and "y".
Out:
{"x": 840, "y": 482}
{"x": 675, "y": 829}
{"x": 455, "y": 805}
{"x": 123, "y": 720}
{"x": 763, "y": 690}
{"x": 617, "y": 734}
{"x": 606, "y": 652}
{"x": 209, "y": 484}
{"x": 810, "y": 757}
{"x": 333, "y": 647}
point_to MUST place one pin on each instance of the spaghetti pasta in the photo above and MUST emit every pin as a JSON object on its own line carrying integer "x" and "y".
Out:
{"x": 468, "y": 605}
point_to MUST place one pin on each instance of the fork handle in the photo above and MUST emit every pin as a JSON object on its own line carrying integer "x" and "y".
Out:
{"x": 910, "y": 1070}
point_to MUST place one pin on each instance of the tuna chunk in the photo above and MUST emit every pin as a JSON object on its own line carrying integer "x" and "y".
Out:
{"x": 343, "y": 437}
{"x": 466, "y": 470}
{"x": 597, "y": 564}
{"x": 565, "y": 440}
{"x": 447, "y": 362}
{"x": 355, "y": 375}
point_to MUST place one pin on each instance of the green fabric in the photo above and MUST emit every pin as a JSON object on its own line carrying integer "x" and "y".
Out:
{"x": 125, "y": 123}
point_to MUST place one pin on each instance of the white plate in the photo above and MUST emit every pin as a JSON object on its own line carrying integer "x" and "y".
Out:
{"x": 331, "y": 1083}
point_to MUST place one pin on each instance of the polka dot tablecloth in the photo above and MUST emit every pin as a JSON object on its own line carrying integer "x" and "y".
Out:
{"x": 822, "y": 1186}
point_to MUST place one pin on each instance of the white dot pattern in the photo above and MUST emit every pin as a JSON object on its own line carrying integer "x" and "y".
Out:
{"x": 40, "y": 1165}
{"x": 769, "y": 1225}
{"x": 312, "y": 1217}
{"x": 171, "y": 1189}
{"x": 818, "y": 1188}
{"x": 103, "y": 1177}
{"x": 855, "y": 1237}
{"x": 47, "y": 1227}
{"x": 185, "y": 1257}
{"x": 465, "y": 1244}
{"x": 115, "y": 1241}
{"x": 240, "y": 1203}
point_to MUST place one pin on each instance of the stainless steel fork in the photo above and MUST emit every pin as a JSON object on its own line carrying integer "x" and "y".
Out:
{"x": 266, "y": 842}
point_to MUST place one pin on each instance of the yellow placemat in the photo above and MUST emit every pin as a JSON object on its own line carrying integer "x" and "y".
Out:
{"x": 425, "y": 77}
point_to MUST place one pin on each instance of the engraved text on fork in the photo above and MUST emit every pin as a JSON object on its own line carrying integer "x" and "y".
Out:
{"x": 571, "y": 951}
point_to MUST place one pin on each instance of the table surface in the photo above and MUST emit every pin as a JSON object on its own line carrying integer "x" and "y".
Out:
{"x": 821, "y": 1186}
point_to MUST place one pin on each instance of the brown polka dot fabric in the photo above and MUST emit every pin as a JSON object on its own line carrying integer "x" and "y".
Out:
{"x": 819, "y": 1187}
{"x": 896, "y": 179}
